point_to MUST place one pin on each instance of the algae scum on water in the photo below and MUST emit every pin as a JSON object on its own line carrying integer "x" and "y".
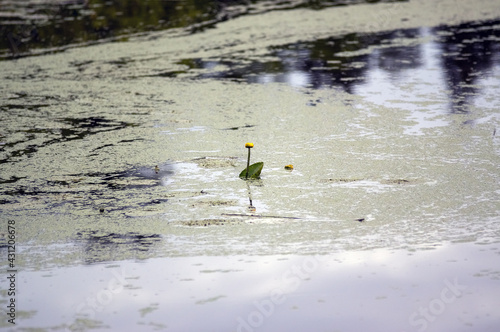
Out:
{"x": 394, "y": 123}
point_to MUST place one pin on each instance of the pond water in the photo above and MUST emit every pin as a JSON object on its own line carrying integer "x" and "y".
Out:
{"x": 32, "y": 27}
{"x": 120, "y": 162}
{"x": 348, "y": 291}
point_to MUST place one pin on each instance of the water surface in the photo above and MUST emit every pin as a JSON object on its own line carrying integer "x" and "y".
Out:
{"x": 32, "y": 27}
{"x": 126, "y": 155}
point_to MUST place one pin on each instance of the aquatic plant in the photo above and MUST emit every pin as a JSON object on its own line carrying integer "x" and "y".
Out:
{"x": 251, "y": 171}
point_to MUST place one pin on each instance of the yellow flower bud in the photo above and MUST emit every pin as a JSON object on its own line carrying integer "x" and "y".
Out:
{"x": 249, "y": 145}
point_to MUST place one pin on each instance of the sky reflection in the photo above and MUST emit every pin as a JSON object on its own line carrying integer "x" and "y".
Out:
{"x": 377, "y": 290}
{"x": 446, "y": 59}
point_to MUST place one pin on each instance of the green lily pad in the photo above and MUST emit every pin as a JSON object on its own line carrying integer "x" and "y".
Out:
{"x": 253, "y": 171}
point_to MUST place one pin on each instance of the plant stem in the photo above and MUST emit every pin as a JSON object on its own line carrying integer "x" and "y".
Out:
{"x": 248, "y": 164}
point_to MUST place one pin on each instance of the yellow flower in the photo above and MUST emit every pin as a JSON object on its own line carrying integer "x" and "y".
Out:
{"x": 249, "y": 145}
{"x": 289, "y": 167}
